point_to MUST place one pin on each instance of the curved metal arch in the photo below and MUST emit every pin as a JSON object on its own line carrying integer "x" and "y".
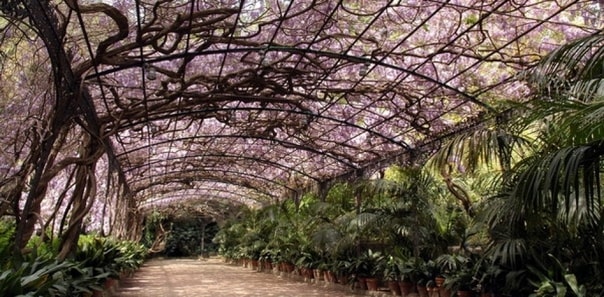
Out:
{"x": 185, "y": 185}
{"x": 259, "y": 192}
{"x": 247, "y": 158}
{"x": 227, "y": 196}
{"x": 217, "y": 178}
{"x": 211, "y": 184}
{"x": 308, "y": 113}
{"x": 206, "y": 189}
{"x": 341, "y": 56}
{"x": 280, "y": 142}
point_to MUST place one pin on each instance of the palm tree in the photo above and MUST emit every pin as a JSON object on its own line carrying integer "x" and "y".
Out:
{"x": 545, "y": 157}
{"x": 401, "y": 212}
{"x": 548, "y": 208}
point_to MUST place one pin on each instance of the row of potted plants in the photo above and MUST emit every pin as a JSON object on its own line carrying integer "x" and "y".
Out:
{"x": 450, "y": 274}
{"x": 395, "y": 234}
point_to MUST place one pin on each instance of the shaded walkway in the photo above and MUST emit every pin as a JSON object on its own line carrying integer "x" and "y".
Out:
{"x": 212, "y": 277}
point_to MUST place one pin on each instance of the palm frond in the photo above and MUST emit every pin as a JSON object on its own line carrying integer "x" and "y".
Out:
{"x": 584, "y": 124}
{"x": 510, "y": 252}
{"x": 363, "y": 220}
{"x": 573, "y": 70}
{"x": 490, "y": 147}
{"x": 566, "y": 180}
{"x": 326, "y": 237}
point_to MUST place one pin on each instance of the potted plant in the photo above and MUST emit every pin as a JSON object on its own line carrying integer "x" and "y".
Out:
{"x": 287, "y": 259}
{"x": 461, "y": 281}
{"x": 428, "y": 271}
{"x": 343, "y": 269}
{"x": 391, "y": 273}
{"x": 366, "y": 269}
{"x": 320, "y": 268}
{"x": 329, "y": 266}
{"x": 266, "y": 259}
{"x": 490, "y": 278}
{"x": 410, "y": 273}
{"x": 306, "y": 262}
{"x": 448, "y": 264}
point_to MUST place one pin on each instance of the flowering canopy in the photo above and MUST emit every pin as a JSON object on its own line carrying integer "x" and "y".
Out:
{"x": 253, "y": 100}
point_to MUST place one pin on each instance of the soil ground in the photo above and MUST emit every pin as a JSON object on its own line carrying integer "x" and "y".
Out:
{"x": 212, "y": 277}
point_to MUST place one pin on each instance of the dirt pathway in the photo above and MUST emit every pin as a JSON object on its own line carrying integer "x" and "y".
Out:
{"x": 212, "y": 277}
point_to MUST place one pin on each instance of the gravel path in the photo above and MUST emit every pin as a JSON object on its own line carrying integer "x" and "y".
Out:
{"x": 212, "y": 277}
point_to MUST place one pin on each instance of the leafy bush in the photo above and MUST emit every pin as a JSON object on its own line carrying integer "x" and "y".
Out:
{"x": 35, "y": 276}
{"x": 132, "y": 256}
{"x": 37, "y": 273}
{"x": 7, "y": 232}
{"x": 99, "y": 253}
{"x": 78, "y": 279}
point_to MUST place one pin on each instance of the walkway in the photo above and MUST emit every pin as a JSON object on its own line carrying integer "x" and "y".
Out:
{"x": 212, "y": 277}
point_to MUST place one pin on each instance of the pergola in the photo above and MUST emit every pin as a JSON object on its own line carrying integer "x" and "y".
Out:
{"x": 119, "y": 106}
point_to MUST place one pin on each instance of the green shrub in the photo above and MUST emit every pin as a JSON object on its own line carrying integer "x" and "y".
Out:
{"x": 36, "y": 276}
{"x": 38, "y": 273}
{"x": 132, "y": 256}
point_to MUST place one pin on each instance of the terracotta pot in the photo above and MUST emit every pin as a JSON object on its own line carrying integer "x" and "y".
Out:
{"x": 439, "y": 281}
{"x": 465, "y": 293}
{"x": 110, "y": 283}
{"x": 306, "y": 273}
{"x": 329, "y": 276}
{"x": 342, "y": 279}
{"x": 406, "y": 287}
{"x": 433, "y": 292}
{"x": 394, "y": 288}
{"x": 318, "y": 274}
{"x": 443, "y": 292}
{"x": 287, "y": 267}
{"x": 266, "y": 266}
{"x": 361, "y": 283}
{"x": 372, "y": 283}
{"x": 422, "y": 291}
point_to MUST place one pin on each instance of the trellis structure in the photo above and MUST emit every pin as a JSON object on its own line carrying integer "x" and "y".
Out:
{"x": 246, "y": 101}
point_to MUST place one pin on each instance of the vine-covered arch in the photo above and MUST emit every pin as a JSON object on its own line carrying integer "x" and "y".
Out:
{"x": 261, "y": 97}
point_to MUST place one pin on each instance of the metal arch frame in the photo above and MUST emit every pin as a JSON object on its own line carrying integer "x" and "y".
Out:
{"x": 149, "y": 203}
{"x": 294, "y": 50}
{"x": 269, "y": 48}
{"x": 205, "y": 187}
{"x": 97, "y": 75}
{"x": 260, "y": 195}
{"x": 307, "y": 113}
{"x": 226, "y": 136}
{"x": 208, "y": 193}
{"x": 227, "y": 196}
{"x": 208, "y": 188}
{"x": 243, "y": 157}
{"x": 216, "y": 178}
